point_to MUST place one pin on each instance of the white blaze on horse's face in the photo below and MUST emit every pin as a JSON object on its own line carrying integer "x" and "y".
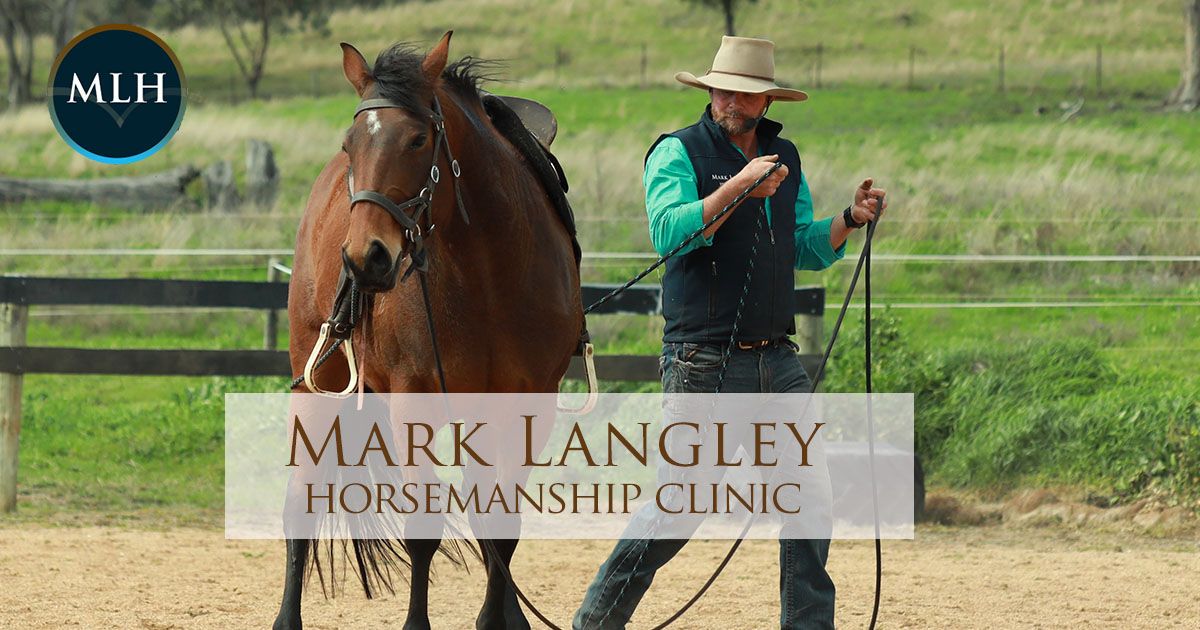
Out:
{"x": 373, "y": 125}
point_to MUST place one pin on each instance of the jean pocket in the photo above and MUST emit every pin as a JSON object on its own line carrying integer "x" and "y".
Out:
{"x": 701, "y": 356}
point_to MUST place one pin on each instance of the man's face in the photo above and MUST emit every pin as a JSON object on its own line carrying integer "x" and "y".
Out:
{"x": 737, "y": 112}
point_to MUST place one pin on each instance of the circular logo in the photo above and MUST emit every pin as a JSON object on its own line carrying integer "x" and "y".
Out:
{"x": 117, "y": 93}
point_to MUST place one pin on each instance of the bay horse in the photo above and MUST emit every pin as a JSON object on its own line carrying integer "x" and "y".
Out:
{"x": 502, "y": 277}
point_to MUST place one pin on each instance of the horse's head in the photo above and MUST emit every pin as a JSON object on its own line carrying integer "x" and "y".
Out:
{"x": 393, "y": 148}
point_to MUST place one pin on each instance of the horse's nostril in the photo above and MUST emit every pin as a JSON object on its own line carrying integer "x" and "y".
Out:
{"x": 378, "y": 261}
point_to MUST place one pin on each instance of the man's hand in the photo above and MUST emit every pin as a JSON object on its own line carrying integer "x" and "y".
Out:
{"x": 866, "y": 202}
{"x": 755, "y": 169}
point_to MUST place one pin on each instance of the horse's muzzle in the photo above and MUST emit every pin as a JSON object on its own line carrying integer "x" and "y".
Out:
{"x": 376, "y": 272}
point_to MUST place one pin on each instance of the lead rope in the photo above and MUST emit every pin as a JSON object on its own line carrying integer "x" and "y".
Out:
{"x": 870, "y": 418}
{"x": 693, "y": 236}
{"x": 863, "y": 261}
{"x": 725, "y": 356}
{"x": 864, "y": 257}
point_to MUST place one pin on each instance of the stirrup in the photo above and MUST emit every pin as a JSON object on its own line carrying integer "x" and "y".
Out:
{"x": 589, "y": 364}
{"x": 311, "y": 366}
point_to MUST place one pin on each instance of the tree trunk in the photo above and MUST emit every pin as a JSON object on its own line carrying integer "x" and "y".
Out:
{"x": 27, "y": 69}
{"x": 1187, "y": 94}
{"x": 16, "y": 24}
{"x": 14, "y": 69}
{"x": 64, "y": 25}
{"x": 260, "y": 56}
{"x": 728, "y": 6}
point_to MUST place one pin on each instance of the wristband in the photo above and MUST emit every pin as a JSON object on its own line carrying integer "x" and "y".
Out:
{"x": 848, "y": 217}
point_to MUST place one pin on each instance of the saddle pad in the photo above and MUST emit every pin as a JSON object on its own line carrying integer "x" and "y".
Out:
{"x": 544, "y": 164}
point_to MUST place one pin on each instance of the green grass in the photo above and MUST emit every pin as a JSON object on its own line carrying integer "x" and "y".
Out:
{"x": 1038, "y": 410}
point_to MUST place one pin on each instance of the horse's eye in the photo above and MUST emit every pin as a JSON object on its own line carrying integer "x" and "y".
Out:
{"x": 418, "y": 142}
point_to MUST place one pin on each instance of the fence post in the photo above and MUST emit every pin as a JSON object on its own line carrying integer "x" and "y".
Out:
{"x": 1002, "y": 68}
{"x": 559, "y": 59}
{"x": 13, "y": 320}
{"x": 912, "y": 60}
{"x": 271, "y": 332}
{"x": 820, "y": 52}
{"x": 810, "y": 331}
{"x": 644, "y": 65}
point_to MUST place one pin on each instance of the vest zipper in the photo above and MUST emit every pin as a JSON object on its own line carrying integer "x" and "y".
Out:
{"x": 774, "y": 284}
{"x": 712, "y": 291}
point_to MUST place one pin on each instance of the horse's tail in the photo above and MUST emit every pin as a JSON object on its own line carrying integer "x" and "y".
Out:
{"x": 371, "y": 544}
{"x": 377, "y": 562}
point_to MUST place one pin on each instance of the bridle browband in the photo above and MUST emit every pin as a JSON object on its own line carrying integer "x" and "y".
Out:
{"x": 422, "y": 203}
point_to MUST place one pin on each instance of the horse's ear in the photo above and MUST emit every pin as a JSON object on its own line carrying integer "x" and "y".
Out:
{"x": 435, "y": 61}
{"x": 356, "y": 69}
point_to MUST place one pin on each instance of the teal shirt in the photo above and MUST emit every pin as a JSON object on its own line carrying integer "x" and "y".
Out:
{"x": 675, "y": 210}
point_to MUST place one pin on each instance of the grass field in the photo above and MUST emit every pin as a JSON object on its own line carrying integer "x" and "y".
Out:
{"x": 970, "y": 170}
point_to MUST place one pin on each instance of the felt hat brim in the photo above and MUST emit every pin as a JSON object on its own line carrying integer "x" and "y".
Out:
{"x": 740, "y": 83}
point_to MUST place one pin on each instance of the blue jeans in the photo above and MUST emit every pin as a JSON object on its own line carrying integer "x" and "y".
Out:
{"x": 806, "y": 591}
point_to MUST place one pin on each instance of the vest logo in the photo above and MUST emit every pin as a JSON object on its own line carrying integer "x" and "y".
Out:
{"x": 117, "y": 93}
{"x": 720, "y": 178}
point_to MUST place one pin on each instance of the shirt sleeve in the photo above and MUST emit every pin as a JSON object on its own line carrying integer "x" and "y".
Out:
{"x": 813, "y": 251}
{"x": 673, "y": 205}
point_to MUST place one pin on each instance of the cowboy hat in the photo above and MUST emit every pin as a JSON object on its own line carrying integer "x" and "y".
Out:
{"x": 743, "y": 64}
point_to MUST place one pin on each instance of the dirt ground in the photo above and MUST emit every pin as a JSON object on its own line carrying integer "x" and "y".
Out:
{"x": 960, "y": 577}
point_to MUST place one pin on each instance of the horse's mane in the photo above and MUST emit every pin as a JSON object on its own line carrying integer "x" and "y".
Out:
{"x": 398, "y": 77}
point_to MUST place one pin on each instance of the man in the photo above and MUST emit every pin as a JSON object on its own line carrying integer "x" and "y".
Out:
{"x": 690, "y": 176}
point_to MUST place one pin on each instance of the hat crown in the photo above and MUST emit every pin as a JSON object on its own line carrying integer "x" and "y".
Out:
{"x": 746, "y": 56}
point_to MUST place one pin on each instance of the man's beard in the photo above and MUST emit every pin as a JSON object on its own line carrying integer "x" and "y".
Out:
{"x": 735, "y": 124}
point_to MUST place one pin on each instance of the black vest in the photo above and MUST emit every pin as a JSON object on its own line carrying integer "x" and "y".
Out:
{"x": 702, "y": 289}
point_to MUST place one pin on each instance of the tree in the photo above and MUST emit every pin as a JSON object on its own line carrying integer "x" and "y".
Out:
{"x": 20, "y": 22}
{"x": 64, "y": 24}
{"x": 1187, "y": 93}
{"x": 247, "y": 27}
{"x": 727, "y": 6}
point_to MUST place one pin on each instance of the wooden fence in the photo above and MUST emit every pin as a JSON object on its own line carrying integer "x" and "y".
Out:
{"x": 17, "y": 358}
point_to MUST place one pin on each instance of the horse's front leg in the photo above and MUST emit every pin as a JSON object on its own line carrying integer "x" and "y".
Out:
{"x": 421, "y": 552}
{"x": 422, "y": 537}
{"x": 293, "y": 586}
{"x": 298, "y": 543}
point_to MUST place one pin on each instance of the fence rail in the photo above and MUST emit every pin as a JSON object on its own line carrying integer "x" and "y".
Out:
{"x": 19, "y": 293}
{"x": 642, "y": 256}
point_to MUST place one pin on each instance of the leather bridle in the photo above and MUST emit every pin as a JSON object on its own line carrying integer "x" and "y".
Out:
{"x": 415, "y": 215}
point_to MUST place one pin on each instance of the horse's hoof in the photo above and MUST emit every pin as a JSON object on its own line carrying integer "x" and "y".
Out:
{"x": 508, "y": 623}
{"x": 287, "y": 623}
{"x": 417, "y": 625}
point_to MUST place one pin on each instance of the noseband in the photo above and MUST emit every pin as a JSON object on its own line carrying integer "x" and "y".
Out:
{"x": 421, "y": 204}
